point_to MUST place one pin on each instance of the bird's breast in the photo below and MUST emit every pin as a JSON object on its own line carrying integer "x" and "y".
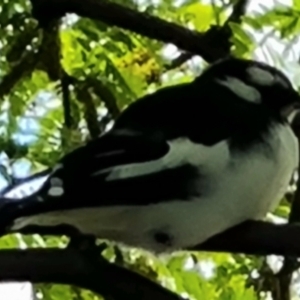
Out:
{"x": 255, "y": 181}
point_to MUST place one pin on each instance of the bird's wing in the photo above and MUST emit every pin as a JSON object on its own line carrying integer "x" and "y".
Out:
{"x": 129, "y": 165}
{"x": 147, "y": 157}
{"x": 83, "y": 177}
{"x": 112, "y": 169}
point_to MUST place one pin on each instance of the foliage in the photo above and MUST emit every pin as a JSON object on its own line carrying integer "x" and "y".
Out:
{"x": 112, "y": 68}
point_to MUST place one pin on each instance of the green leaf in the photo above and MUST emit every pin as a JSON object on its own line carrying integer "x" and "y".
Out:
{"x": 202, "y": 16}
{"x": 290, "y": 27}
{"x": 55, "y": 291}
{"x": 296, "y": 4}
{"x": 9, "y": 241}
{"x": 241, "y": 34}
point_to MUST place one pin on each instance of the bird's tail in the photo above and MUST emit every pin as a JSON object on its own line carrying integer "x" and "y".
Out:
{"x": 16, "y": 216}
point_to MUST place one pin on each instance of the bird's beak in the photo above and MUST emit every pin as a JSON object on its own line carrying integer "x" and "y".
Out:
{"x": 290, "y": 111}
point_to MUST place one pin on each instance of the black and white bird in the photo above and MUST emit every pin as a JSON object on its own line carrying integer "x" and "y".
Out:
{"x": 178, "y": 167}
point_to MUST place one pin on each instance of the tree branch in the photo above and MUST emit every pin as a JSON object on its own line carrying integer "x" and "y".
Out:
{"x": 239, "y": 9}
{"x": 23, "y": 68}
{"x": 104, "y": 93}
{"x": 209, "y": 45}
{"x": 89, "y": 108}
{"x": 256, "y": 238}
{"x": 72, "y": 267}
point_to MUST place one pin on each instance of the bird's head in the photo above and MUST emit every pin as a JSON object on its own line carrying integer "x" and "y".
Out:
{"x": 256, "y": 83}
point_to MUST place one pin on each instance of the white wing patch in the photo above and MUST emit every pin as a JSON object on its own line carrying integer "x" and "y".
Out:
{"x": 182, "y": 151}
{"x": 56, "y": 191}
{"x": 260, "y": 76}
{"x": 56, "y": 188}
{"x": 263, "y": 77}
{"x": 241, "y": 89}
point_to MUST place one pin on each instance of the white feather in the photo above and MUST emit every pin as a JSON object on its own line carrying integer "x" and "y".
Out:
{"x": 240, "y": 187}
{"x": 265, "y": 78}
{"x": 241, "y": 89}
{"x": 260, "y": 76}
